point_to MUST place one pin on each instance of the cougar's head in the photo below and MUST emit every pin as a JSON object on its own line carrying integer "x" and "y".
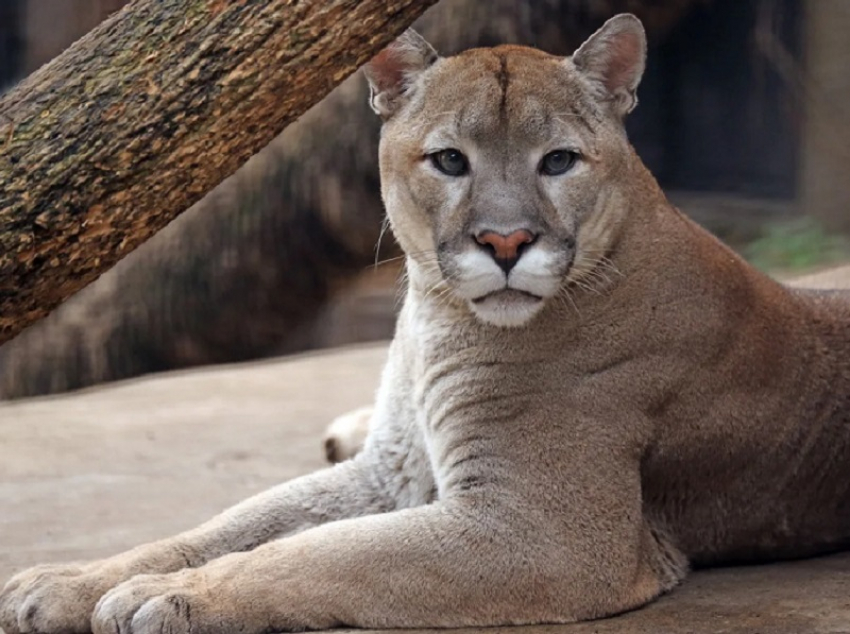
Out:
{"x": 498, "y": 164}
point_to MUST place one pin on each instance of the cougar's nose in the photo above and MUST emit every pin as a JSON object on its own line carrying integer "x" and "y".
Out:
{"x": 505, "y": 249}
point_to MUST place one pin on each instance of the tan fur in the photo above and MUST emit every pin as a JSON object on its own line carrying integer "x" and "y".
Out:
{"x": 528, "y": 460}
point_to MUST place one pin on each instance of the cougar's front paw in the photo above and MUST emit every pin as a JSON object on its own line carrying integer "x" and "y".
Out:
{"x": 346, "y": 434}
{"x": 52, "y": 599}
{"x": 151, "y": 604}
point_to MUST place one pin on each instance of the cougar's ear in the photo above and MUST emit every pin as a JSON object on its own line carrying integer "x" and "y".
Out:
{"x": 393, "y": 70}
{"x": 613, "y": 59}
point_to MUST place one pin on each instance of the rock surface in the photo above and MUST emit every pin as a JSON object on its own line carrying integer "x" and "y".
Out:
{"x": 99, "y": 471}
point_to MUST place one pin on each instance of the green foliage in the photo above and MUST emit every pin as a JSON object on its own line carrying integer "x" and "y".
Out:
{"x": 797, "y": 245}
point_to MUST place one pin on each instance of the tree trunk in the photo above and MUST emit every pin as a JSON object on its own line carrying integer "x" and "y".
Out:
{"x": 110, "y": 141}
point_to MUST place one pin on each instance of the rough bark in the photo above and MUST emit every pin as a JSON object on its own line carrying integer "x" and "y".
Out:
{"x": 110, "y": 141}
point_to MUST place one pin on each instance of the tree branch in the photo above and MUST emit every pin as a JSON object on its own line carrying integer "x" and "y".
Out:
{"x": 110, "y": 141}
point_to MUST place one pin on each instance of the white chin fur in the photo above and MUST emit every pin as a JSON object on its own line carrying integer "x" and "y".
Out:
{"x": 480, "y": 276}
{"x": 506, "y": 309}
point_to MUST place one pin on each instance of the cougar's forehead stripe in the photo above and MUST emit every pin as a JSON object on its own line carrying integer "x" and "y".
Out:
{"x": 529, "y": 85}
{"x": 503, "y": 79}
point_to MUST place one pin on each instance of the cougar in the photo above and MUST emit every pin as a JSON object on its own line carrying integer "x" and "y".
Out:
{"x": 586, "y": 395}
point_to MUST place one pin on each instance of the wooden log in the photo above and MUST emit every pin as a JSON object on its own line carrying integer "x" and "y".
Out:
{"x": 110, "y": 141}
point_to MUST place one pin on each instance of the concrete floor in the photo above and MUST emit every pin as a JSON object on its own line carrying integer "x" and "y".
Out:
{"x": 93, "y": 473}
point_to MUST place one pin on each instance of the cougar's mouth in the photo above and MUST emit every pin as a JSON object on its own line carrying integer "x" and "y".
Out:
{"x": 509, "y": 294}
{"x": 507, "y": 307}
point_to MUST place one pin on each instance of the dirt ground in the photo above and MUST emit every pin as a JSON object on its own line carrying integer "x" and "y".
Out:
{"x": 90, "y": 474}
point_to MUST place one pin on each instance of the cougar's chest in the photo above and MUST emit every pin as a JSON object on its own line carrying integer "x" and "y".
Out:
{"x": 474, "y": 391}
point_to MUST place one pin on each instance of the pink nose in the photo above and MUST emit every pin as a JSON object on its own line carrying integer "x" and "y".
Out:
{"x": 505, "y": 249}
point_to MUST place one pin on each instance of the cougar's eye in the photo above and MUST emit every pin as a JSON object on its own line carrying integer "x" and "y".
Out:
{"x": 557, "y": 162}
{"x": 451, "y": 162}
